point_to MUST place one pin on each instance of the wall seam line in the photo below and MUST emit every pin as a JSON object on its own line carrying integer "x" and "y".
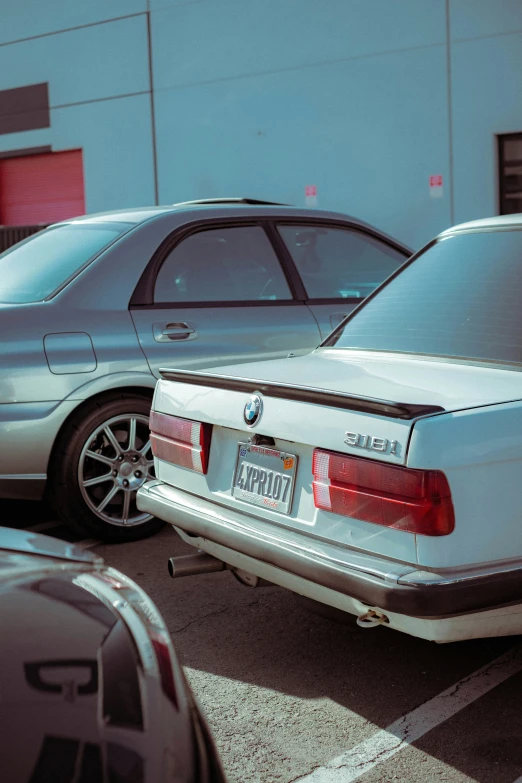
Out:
{"x": 98, "y": 100}
{"x": 152, "y": 110}
{"x": 450, "y": 111}
{"x": 71, "y": 29}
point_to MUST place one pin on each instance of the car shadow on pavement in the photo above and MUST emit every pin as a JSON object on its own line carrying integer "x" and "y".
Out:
{"x": 262, "y": 637}
{"x": 24, "y": 513}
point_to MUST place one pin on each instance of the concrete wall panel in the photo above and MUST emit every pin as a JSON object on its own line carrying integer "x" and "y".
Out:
{"x": 160, "y": 5}
{"x": 27, "y": 18}
{"x": 117, "y": 150}
{"x": 480, "y": 18}
{"x": 202, "y": 42}
{"x": 263, "y": 98}
{"x": 487, "y": 100}
{"x": 81, "y": 65}
{"x": 26, "y": 139}
{"x": 367, "y": 132}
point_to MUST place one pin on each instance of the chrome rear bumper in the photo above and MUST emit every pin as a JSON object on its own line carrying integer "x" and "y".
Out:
{"x": 374, "y": 580}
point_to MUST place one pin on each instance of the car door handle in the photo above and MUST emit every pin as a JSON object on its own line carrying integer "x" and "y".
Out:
{"x": 172, "y": 332}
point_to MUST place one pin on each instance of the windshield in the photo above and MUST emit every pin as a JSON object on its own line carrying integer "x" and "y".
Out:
{"x": 460, "y": 298}
{"x": 33, "y": 269}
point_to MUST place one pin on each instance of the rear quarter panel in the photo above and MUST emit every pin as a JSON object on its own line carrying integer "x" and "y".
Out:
{"x": 480, "y": 451}
{"x": 25, "y": 375}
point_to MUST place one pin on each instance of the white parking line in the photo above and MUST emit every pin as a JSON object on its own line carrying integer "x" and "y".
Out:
{"x": 366, "y": 755}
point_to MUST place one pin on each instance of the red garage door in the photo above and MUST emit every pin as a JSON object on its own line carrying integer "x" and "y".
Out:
{"x": 41, "y": 188}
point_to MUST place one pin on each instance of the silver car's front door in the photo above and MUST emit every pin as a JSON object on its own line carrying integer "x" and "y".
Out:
{"x": 221, "y": 297}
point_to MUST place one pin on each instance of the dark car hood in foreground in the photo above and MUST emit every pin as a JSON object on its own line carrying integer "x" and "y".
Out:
{"x": 81, "y": 698}
{"x": 52, "y": 634}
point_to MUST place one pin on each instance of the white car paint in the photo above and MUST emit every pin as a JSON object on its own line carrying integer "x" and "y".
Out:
{"x": 475, "y": 453}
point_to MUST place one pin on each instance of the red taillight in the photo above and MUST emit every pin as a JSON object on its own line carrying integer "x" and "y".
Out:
{"x": 418, "y": 501}
{"x": 180, "y": 441}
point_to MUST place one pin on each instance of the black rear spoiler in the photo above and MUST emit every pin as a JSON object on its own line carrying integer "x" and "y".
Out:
{"x": 330, "y": 399}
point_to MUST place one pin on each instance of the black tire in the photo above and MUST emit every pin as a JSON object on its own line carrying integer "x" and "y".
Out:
{"x": 75, "y": 503}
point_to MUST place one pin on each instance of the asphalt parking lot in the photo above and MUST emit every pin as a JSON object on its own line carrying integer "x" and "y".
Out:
{"x": 292, "y": 696}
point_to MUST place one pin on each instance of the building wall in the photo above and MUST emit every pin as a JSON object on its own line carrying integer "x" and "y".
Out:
{"x": 363, "y": 99}
{"x": 486, "y": 68}
{"x": 97, "y": 67}
{"x": 340, "y": 94}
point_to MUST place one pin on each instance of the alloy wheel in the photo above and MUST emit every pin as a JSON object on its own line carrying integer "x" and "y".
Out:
{"x": 115, "y": 462}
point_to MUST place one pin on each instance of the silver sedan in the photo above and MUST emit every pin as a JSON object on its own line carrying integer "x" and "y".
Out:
{"x": 91, "y": 308}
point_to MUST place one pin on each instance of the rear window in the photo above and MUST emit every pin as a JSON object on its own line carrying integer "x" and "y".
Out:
{"x": 460, "y": 299}
{"x": 33, "y": 269}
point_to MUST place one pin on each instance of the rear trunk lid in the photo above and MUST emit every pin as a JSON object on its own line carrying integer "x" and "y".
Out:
{"x": 359, "y": 403}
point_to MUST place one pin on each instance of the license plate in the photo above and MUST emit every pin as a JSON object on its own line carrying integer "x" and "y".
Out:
{"x": 265, "y": 477}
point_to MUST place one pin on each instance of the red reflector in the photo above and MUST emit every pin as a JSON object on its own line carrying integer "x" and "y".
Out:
{"x": 180, "y": 441}
{"x": 163, "y": 658}
{"x": 417, "y": 501}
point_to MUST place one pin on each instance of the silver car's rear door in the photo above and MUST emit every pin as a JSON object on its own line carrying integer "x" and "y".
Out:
{"x": 221, "y": 296}
{"x": 338, "y": 265}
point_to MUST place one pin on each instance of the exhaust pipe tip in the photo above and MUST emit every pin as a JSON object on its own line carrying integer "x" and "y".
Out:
{"x": 191, "y": 565}
{"x": 372, "y": 618}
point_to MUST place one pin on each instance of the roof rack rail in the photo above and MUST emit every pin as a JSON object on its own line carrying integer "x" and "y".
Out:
{"x": 252, "y": 201}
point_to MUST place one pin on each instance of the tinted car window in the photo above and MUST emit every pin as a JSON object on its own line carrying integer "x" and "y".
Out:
{"x": 220, "y": 265}
{"x": 34, "y": 269}
{"x": 339, "y": 263}
{"x": 460, "y": 298}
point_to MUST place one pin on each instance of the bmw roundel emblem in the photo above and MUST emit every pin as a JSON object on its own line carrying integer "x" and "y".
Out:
{"x": 253, "y": 410}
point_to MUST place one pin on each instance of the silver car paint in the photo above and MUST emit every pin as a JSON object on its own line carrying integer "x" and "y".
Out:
{"x": 27, "y": 543}
{"x": 35, "y": 400}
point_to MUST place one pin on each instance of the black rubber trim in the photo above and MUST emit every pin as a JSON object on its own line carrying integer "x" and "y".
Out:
{"x": 431, "y": 600}
{"x": 284, "y": 254}
{"x": 247, "y": 303}
{"x": 219, "y": 201}
{"x": 329, "y": 399}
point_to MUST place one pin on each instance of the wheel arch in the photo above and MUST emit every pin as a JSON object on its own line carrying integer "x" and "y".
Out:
{"x": 90, "y": 401}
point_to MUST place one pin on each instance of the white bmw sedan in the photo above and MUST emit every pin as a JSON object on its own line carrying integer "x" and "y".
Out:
{"x": 381, "y": 474}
